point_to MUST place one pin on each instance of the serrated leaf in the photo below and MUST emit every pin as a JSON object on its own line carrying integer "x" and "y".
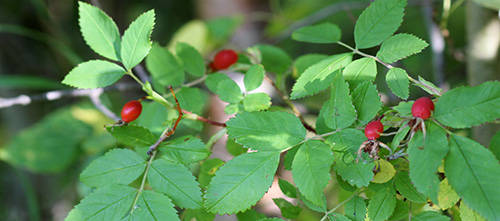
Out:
{"x": 136, "y": 41}
{"x": 385, "y": 171}
{"x": 468, "y": 214}
{"x": 153, "y": 117}
{"x": 428, "y": 86}
{"x": 185, "y": 150}
{"x": 274, "y": 59}
{"x": 108, "y": 203}
{"x": 318, "y": 208}
{"x": 357, "y": 174}
{"x": 347, "y": 140}
{"x": 288, "y": 210}
{"x": 406, "y": 188}
{"x": 207, "y": 170}
{"x": 311, "y": 169}
{"x": 192, "y": 99}
{"x": 400, "y": 46}
{"x": 249, "y": 215}
{"x": 192, "y": 60}
{"x": 355, "y": 209}
{"x": 377, "y": 22}
{"x": 447, "y": 197}
{"x": 198, "y": 215}
{"x": 287, "y": 188}
{"x": 256, "y": 102}
{"x": 319, "y": 76}
{"x": 234, "y": 148}
{"x": 404, "y": 108}
{"x": 99, "y": 31}
{"x": 337, "y": 217}
{"x": 474, "y": 173}
{"x": 430, "y": 216}
{"x": 366, "y": 101}
{"x": 338, "y": 111}
{"x": 94, "y": 74}
{"x": 320, "y": 33}
{"x": 177, "y": 182}
{"x": 400, "y": 136}
{"x": 267, "y": 131}
{"x": 164, "y": 67}
{"x": 304, "y": 61}
{"x": 425, "y": 159}
{"x": 254, "y": 77}
{"x": 495, "y": 145}
{"x": 397, "y": 80}
{"x": 153, "y": 206}
{"x": 401, "y": 211}
{"x": 225, "y": 87}
{"x": 241, "y": 182}
{"x": 118, "y": 166}
{"x": 382, "y": 204}
{"x": 359, "y": 71}
{"x": 469, "y": 106}
{"x": 132, "y": 135}
{"x": 194, "y": 32}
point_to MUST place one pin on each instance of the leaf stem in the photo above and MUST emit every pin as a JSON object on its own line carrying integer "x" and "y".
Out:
{"x": 320, "y": 136}
{"x": 340, "y": 204}
{"x": 143, "y": 182}
{"x": 215, "y": 138}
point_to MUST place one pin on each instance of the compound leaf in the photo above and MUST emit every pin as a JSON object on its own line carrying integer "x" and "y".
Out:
{"x": 136, "y": 41}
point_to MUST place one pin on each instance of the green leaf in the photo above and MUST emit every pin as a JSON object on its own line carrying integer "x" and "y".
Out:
{"x": 274, "y": 59}
{"x": 400, "y": 136}
{"x": 474, "y": 173}
{"x": 304, "y": 61}
{"x": 99, "y": 31}
{"x": 118, "y": 166}
{"x": 469, "y": 106}
{"x": 397, "y": 80}
{"x": 136, "y": 41}
{"x": 288, "y": 210}
{"x": 177, "y": 182}
{"x": 425, "y": 158}
{"x": 108, "y": 203}
{"x": 50, "y": 145}
{"x": 153, "y": 117}
{"x": 256, "y": 102}
{"x": 94, "y": 74}
{"x": 400, "y": 46}
{"x": 287, "y": 188}
{"x": 320, "y": 33}
{"x": 241, "y": 182}
{"x": 355, "y": 209}
{"x": 225, "y": 87}
{"x": 382, "y": 204}
{"x": 153, "y": 206}
{"x": 385, "y": 171}
{"x": 492, "y": 4}
{"x": 194, "y": 33}
{"x": 318, "y": 208}
{"x": 185, "y": 150}
{"x": 198, "y": 215}
{"x": 207, "y": 171}
{"x": 192, "y": 99}
{"x": 377, "y": 22}
{"x": 428, "y": 86}
{"x": 337, "y": 217}
{"x": 468, "y": 214}
{"x": 132, "y": 135}
{"x": 20, "y": 81}
{"x": 164, "y": 67}
{"x": 267, "y": 131}
{"x": 319, "y": 76}
{"x": 447, "y": 197}
{"x": 338, "y": 111}
{"x": 406, "y": 188}
{"x": 221, "y": 28}
{"x": 359, "y": 174}
{"x": 367, "y": 102}
{"x": 192, "y": 60}
{"x": 360, "y": 70}
{"x": 404, "y": 108}
{"x": 254, "y": 77}
{"x": 495, "y": 145}
{"x": 311, "y": 169}
{"x": 430, "y": 216}
{"x": 234, "y": 148}
{"x": 250, "y": 215}
{"x": 347, "y": 140}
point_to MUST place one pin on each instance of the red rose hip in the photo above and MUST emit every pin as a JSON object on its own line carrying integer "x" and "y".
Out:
{"x": 225, "y": 58}
{"x": 131, "y": 111}
{"x": 374, "y": 129}
{"x": 422, "y": 108}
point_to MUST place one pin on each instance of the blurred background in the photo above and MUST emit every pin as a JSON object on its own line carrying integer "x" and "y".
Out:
{"x": 47, "y": 139}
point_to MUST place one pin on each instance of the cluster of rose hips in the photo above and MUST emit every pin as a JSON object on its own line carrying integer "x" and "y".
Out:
{"x": 421, "y": 110}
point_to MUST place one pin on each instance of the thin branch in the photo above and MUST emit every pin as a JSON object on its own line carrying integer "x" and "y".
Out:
{"x": 141, "y": 72}
{"x": 94, "y": 97}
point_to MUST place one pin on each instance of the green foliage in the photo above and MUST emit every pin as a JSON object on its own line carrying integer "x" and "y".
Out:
{"x": 288, "y": 210}
{"x": 320, "y": 33}
{"x": 400, "y": 46}
{"x": 397, "y": 80}
{"x": 405, "y": 187}
{"x": 287, "y": 188}
{"x": 319, "y": 76}
{"x": 474, "y": 173}
{"x": 339, "y": 111}
{"x": 94, "y": 74}
{"x": 310, "y": 169}
{"x": 132, "y": 135}
{"x": 266, "y": 131}
{"x": 223, "y": 86}
{"x": 274, "y": 59}
{"x": 469, "y": 106}
{"x": 366, "y": 101}
{"x": 495, "y": 145}
{"x": 136, "y": 41}
{"x": 360, "y": 70}
{"x": 303, "y": 62}
{"x": 447, "y": 197}
{"x": 377, "y": 22}
{"x": 355, "y": 209}
{"x": 153, "y": 206}
{"x": 99, "y": 31}
{"x": 207, "y": 171}
{"x": 192, "y": 60}
{"x": 254, "y": 77}
{"x": 118, "y": 166}
{"x": 430, "y": 216}
{"x": 256, "y": 102}
{"x": 164, "y": 67}
{"x": 185, "y": 150}
{"x": 382, "y": 204}
{"x": 241, "y": 182}
{"x": 337, "y": 217}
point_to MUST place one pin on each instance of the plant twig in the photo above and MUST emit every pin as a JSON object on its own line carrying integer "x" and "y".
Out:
{"x": 94, "y": 97}
{"x": 193, "y": 116}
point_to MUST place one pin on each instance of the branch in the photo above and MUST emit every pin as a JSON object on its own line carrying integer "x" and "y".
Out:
{"x": 94, "y": 97}
{"x": 193, "y": 116}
